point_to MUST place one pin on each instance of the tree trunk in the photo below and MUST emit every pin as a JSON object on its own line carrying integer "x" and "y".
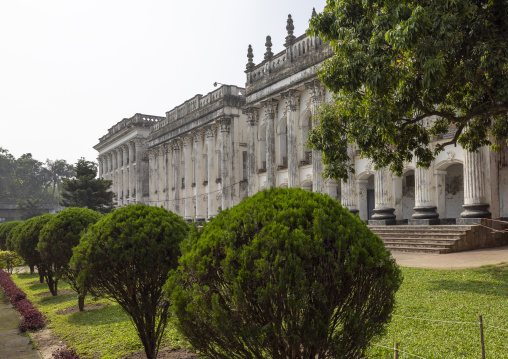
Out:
{"x": 32, "y": 268}
{"x": 52, "y": 285}
{"x": 81, "y": 302}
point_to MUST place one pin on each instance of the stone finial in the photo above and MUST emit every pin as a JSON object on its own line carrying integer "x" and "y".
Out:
{"x": 268, "y": 44}
{"x": 314, "y": 13}
{"x": 290, "y": 28}
{"x": 250, "y": 56}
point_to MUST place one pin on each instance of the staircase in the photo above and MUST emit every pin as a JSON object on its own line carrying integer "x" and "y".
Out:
{"x": 424, "y": 239}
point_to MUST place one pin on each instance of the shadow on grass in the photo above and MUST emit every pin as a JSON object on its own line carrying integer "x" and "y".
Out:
{"x": 107, "y": 315}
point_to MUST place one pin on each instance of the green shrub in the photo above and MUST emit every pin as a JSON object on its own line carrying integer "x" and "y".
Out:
{"x": 56, "y": 241}
{"x": 9, "y": 260}
{"x": 127, "y": 256}
{"x": 5, "y": 229}
{"x": 287, "y": 273}
{"x": 25, "y": 240}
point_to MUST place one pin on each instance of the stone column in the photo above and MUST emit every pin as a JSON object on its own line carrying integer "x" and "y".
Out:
{"x": 383, "y": 211}
{"x": 151, "y": 177}
{"x": 361, "y": 190}
{"x": 187, "y": 193}
{"x": 211, "y": 132}
{"x": 119, "y": 175}
{"x": 200, "y": 205}
{"x": 167, "y": 166}
{"x": 348, "y": 197}
{"x": 225, "y": 125}
{"x": 440, "y": 195}
{"x": 317, "y": 93}
{"x": 99, "y": 161}
{"x": 252, "y": 123}
{"x": 138, "y": 177}
{"x": 125, "y": 174}
{"x": 475, "y": 202}
{"x": 132, "y": 173}
{"x": 425, "y": 205}
{"x": 292, "y": 98}
{"x": 270, "y": 107}
{"x": 177, "y": 176}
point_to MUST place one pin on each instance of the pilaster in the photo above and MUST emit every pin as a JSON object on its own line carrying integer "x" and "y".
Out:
{"x": 177, "y": 179}
{"x": 187, "y": 189}
{"x": 348, "y": 188}
{"x": 252, "y": 123}
{"x": 211, "y": 133}
{"x": 317, "y": 92}
{"x": 225, "y": 127}
{"x": 270, "y": 107}
{"x": 292, "y": 98}
{"x": 200, "y": 204}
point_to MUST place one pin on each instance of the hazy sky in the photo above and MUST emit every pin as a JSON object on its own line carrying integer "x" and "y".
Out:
{"x": 69, "y": 69}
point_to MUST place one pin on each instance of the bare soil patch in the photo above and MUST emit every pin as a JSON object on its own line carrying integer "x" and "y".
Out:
{"x": 75, "y": 308}
{"x": 60, "y": 292}
{"x": 46, "y": 342}
{"x": 165, "y": 353}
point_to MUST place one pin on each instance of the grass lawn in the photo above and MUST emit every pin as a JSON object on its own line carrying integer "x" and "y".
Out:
{"x": 458, "y": 296}
{"x": 99, "y": 333}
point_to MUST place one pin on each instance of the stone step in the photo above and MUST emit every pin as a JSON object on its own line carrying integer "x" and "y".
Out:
{"x": 449, "y": 242}
{"x": 420, "y": 250}
{"x": 416, "y": 244}
{"x": 423, "y": 235}
{"x": 417, "y": 230}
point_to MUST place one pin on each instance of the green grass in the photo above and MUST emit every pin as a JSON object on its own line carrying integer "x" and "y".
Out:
{"x": 459, "y": 296}
{"x": 431, "y": 294}
{"x": 99, "y": 333}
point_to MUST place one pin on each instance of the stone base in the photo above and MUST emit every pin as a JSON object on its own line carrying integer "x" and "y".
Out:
{"x": 384, "y": 214}
{"x": 423, "y": 222}
{"x": 425, "y": 212}
{"x": 381, "y": 222}
{"x": 468, "y": 221}
{"x": 478, "y": 210}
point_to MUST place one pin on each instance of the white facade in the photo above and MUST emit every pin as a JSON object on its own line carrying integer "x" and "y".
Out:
{"x": 212, "y": 151}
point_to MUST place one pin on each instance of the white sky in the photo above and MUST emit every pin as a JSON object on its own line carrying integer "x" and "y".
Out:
{"x": 69, "y": 69}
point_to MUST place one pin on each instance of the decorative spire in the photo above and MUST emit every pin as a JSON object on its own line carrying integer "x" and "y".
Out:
{"x": 290, "y": 28}
{"x": 250, "y": 56}
{"x": 268, "y": 44}
{"x": 314, "y": 13}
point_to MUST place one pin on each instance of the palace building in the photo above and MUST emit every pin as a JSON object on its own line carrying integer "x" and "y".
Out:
{"x": 214, "y": 150}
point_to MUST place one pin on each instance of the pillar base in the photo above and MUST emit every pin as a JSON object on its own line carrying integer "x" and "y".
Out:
{"x": 425, "y": 212}
{"x": 383, "y": 213}
{"x": 478, "y": 210}
{"x": 354, "y": 211}
{"x": 468, "y": 221}
{"x": 381, "y": 222}
{"x": 423, "y": 222}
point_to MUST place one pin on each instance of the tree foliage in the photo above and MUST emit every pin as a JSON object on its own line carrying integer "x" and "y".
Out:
{"x": 25, "y": 240}
{"x": 405, "y": 72}
{"x": 9, "y": 260}
{"x": 56, "y": 241}
{"x": 5, "y": 229}
{"x": 84, "y": 190}
{"x": 287, "y": 273}
{"x": 127, "y": 256}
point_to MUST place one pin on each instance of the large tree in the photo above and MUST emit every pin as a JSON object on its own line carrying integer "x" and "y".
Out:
{"x": 404, "y": 72}
{"x": 84, "y": 190}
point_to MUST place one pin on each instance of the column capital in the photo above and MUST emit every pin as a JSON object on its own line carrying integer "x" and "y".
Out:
{"x": 270, "y": 107}
{"x": 187, "y": 140}
{"x": 225, "y": 124}
{"x": 199, "y": 135}
{"x": 175, "y": 144}
{"x": 252, "y": 115}
{"x": 211, "y": 130}
{"x": 168, "y": 147}
{"x": 292, "y": 98}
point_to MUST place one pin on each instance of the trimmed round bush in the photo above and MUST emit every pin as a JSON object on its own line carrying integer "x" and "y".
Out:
{"x": 127, "y": 256}
{"x": 57, "y": 239}
{"x": 287, "y": 273}
{"x": 5, "y": 229}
